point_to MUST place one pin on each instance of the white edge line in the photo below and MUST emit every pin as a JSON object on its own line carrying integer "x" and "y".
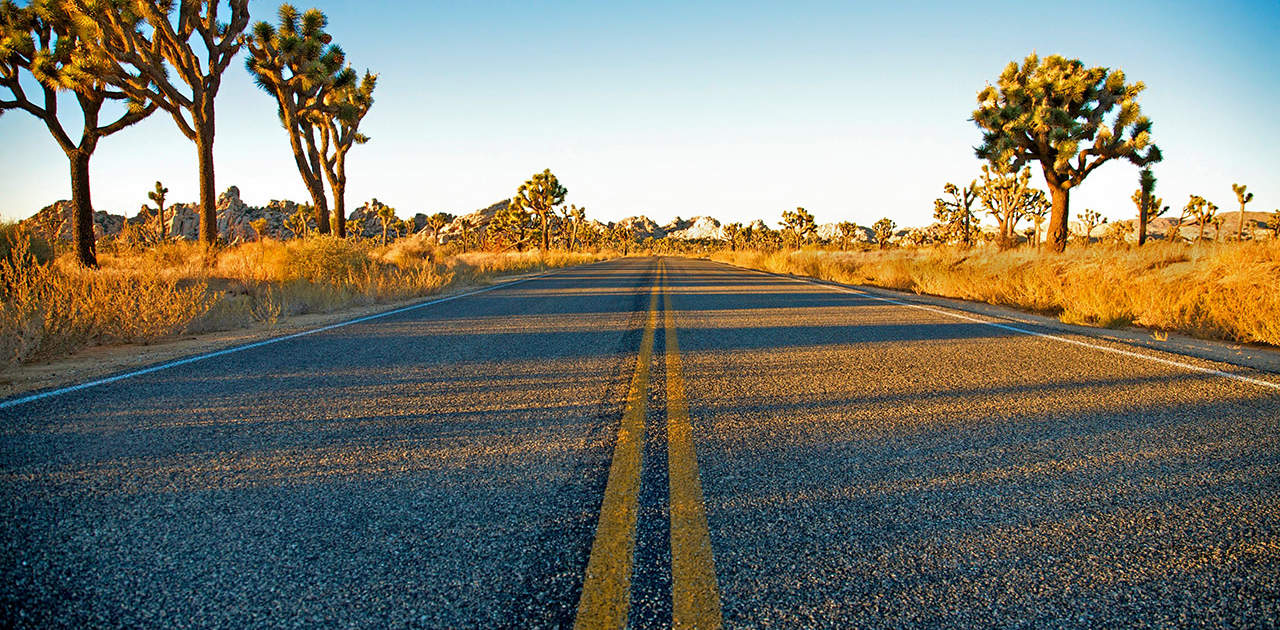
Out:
{"x": 950, "y": 313}
{"x": 14, "y": 402}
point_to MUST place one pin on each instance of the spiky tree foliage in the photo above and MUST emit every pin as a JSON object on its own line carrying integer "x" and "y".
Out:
{"x": 298, "y": 65}
{"x": 733, "y": 232}
{"x": 799, "y": 225}
{"x": 1007, "y": 196}
{"x": 464, "y": 227}
{"x": 539, "y": 196}
{"x": 884, "y": 231}
{"x": 1202, "y": 211}
{"x": 511, "y": 227}
{"x": 1244, "y": 197}
{"x": 622, "y": 236}
{"x": 46, "y": 42}
{"x": 157, "y": 197}
{"x": 957, "y": 214}
{"x": 1069, "y": 118}
{"x": 1149, "y": 206}
{"x": 437, "y": 222}
{"x": 1089, "y": 219}
{"x": 155, "y": 39}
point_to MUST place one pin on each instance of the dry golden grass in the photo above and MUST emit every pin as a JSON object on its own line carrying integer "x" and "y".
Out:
{"x": 49, "y": 310}
{"x": 1227, "y": 291}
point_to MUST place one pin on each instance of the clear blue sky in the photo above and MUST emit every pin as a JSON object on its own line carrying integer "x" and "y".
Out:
{"x": 734, "y": 109}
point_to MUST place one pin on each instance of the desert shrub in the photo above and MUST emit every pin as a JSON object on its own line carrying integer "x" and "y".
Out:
{"x": 37, "y": 246}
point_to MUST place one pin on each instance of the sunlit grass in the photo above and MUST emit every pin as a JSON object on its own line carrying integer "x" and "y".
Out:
{"x": 143, "y": 295}
{"x": 1214, "y": 290}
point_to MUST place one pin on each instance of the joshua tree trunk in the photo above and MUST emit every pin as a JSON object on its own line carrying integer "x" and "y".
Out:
{"x": 1056, "y": 236}
{"x": 339, "y": 186}
{"x": 546, "y": 231}
{"x": 1142, "y": 222}
{"x": 82, "y": 210}
{"x": 208, "y": 196}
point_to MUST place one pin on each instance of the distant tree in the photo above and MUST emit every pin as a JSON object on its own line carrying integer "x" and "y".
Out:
{"x": 1089, "y": 220}
{"x": 408, "y": 226}
{"x": 884, "y": 230}
{"x": 1149, "y": 206}
{"x": 511, "y": 227}
{"x": 47, "y": 42}
{"x": 1059, "y": 113}
{"x": 142, "y": 35}
{"x": 437, "y": 222}
{"x": 1117, "y": 233}
{"x": 733, "y": 231}
{"x": 848, "y": 233}
{"x": 799, "y": 225}
{"x": 1007, "y": 196}
{"x": 387, "y": 215}
{"x": 1244, "y": 198}
{"x": 157, "y": 197}
{"x": 957, "y": 214}
{"x": 1037, "y": 210}
{"x": 539, "y": 196}
{"x": 464, "y": 227}
{"x": 1275, "y": 223}
{"x": 298, "y": 221}
{"x": 1202, "y": 211}
{"x": 259, "y": 226}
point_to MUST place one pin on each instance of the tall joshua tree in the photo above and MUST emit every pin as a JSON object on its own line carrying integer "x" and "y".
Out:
{"x": 156, "y": 41}
{"x": 1069, "y": 118}
{"x": 44, "y": 41}
{"x": 1244, "y": 198}
{"x": 539, "y": 196}
{"x": 297, "y": 64}
{"x": 339, "y": 124}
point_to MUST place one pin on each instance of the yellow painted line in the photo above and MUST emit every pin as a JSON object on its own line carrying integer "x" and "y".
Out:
{"x": 695, "y": 597}
{"x": 606, "y": 589}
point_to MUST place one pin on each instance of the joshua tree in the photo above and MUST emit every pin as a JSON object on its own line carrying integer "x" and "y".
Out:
{"x": 339, "y": 123}
{"x": 540, "y": 195}
{"x": 848, "y": 231}
{"x": 510, "y": 227}
{"x": 437, "y": 222}
{"x": 259, "y": 226}
{"x": 1007, "y": 196}
{"x": 386, "y": 214}
{"x": 957, "y": 214}
{"x": 465, "y": 227}
{"x": 1038, "y": 210}
{"x": 297, "y": 222}
{"x": 46, "y": 41}
{"x": 1275, "y": 224}
{"x": 1149, "y": 206}
{"x": 1202, "y": 211}
{"x": 884, "y": 229}
{"x": 143, "y": 35}
{"x": 1088, "y": 221}
{"x": 157, "y": 197}
{"x": 1243, "y": 197}
{"x": 298, "y": 65}
{"x": 799, "y": 224}
{"x": 1059, "y": 113}
{"x": 733, "y": 231}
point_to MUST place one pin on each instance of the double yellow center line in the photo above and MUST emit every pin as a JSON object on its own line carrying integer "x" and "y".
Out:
{"x": 606, "y": 589}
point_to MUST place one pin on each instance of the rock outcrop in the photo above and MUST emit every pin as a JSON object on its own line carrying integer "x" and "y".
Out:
{"x": 700, "y": 229}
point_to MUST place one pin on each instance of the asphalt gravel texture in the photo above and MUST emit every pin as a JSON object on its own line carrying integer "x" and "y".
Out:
{"x": 864, "y": 464}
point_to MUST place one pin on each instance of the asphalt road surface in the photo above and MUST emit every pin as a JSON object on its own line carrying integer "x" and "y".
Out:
{"x": 651, "y": 443}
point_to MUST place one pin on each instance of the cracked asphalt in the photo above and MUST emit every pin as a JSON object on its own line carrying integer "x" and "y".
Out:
{"x": 863, "y": 464}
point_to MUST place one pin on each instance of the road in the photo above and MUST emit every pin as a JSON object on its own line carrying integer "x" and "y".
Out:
{"x": 651, "y": 442}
